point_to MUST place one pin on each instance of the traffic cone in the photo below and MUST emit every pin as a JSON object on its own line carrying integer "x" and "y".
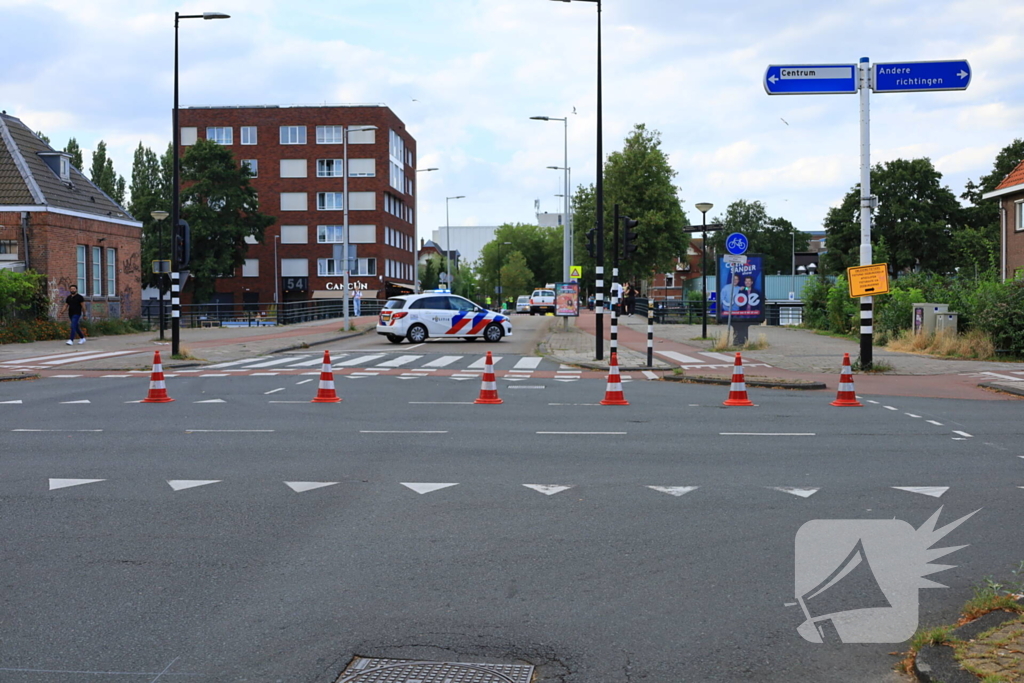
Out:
{"x": 325, "y": 392}
{"x": 157, "y": 387}
{"x": 488, "y": 387}
{"x": 738, "y": 388}
{"x": 847, "y": 396}
{"x": 613, "y": 392}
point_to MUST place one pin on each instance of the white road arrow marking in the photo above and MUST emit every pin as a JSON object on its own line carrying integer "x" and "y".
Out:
{"x": 547, "y": 489}
{"x": 803, "y": 493}
{"x": 303, "y": 486}
{"x": 674, "y": 490}
{"x": 933, "y": 491}
{"x": 182, "y": 484}
{"x": 426, "y": 488}
{"x": 65, "y": 483}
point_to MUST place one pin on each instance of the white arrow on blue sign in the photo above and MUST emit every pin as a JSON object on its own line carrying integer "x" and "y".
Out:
{"x": 921, "y": 76}
{"x": 820, "y": 79}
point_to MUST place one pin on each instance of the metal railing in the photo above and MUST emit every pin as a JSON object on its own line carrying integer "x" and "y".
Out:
{"x": 258, "y": 314}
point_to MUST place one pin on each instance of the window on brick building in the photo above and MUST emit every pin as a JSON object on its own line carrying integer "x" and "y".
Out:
{"x": 329, "y": 135}
{"x": 329, "y": 168}
{"x": 8, "y": 250}
{"x": 330, "y": 201}
{"x": 97, "y": 271}
{"x": 80, "y": 269}
{"x": 247, "y": 135}
{"x": 293, "y": 135}
{"x": 1019, "y": 219}
{"x": 220, "y": 135}
{"x": 361, "y": 168}
{"x": 254, "y": 167}
{"x": 111, "y": 272}
{"x": 251, "y": 267}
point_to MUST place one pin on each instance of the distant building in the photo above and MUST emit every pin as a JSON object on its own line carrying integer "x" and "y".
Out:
{"x": 469, "y": 240}
{"x": 1010, "y": 194}
{"x": 430, "y": 248}
{"x": 54, "y": 221}
{"x": 295, "y": 156}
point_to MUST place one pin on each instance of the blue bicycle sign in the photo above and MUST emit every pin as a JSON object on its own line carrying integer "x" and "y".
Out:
{"x": 737, "y": 243}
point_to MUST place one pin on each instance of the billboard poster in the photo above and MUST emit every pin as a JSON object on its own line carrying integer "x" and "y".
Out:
{"x": 567, "y": 299}
{"x": 741, "y": 290}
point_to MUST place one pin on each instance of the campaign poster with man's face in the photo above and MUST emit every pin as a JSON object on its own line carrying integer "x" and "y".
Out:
{"x": 741, "y": 290}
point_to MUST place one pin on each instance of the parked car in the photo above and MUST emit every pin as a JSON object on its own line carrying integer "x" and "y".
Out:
{"x": 418, "y": 316}
{"x": 542, "y": 301}
{"x": 523, "y": 304}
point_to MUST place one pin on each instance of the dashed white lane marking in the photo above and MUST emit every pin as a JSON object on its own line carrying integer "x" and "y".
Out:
{"x": 674, "y": 490}
{"x": 911, "y": 415}
{"x": 182, "y": 484}
{"x": 766, "y": 433}
{"x": 216, "y": 374}
{"x": 870, "y": 401}
{"x": 933, "y": 491}
{"x": 361, "y": 374}
{"x": 263, "y": 374}
{"x": 64, "y": 376}
{"x": 582, "y": 433}
{"x": 441, "y": 403}
{"x": 961, "y": 433}
{"x": 304, "y": 381}
{"x": 890, "y": 408}
{"x": 65, "y": 483}
{"x": 56, "y": 430}
{"x": 303, "y": 486}
{"x": 548, "y": 489}
{"x": 16, "y": 402}
{"x": 119, "y": 376}
{"x": 212, "y": 400}
{"x": 527, "y": 363}
{"x": 422, "y": 488}
{"x": 399, "y": 431}
{"x": 227, "y": 431}
{"x": 650, "y": 375}
{"x": 273, "y": 391}
{"x": 803, "y": 493}
{"x": 937, "y": 424}
{"x": 65, "y": 403}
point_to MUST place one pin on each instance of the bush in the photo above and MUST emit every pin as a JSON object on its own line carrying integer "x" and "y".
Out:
{"x": 24, "y": 331}
{"x": 843, "y": 312}
{"x": 1000, "y": 315}
{"x": 815, "y": 296}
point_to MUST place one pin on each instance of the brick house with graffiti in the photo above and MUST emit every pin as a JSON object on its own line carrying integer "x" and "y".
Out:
{"x": 53, "y": 220}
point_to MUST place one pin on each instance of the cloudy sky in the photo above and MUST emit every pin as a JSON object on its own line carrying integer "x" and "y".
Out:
{"x": 466, "y": 75}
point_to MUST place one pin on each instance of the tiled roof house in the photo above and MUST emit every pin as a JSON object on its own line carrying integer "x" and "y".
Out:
{"x": 54, "y": 221}
{"x": 1010, "y": 193}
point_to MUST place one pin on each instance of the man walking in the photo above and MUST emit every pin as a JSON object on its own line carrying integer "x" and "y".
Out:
{"x": 73, "y": 306}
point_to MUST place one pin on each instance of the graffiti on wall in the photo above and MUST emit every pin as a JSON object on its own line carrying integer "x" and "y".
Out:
{"x": 131, "y": 265}
{"x": 57, "y": 289}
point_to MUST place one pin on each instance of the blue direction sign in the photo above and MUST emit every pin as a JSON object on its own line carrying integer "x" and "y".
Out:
{"x": 736, "y": 243}
{"x": 821, "y": 79}
{"x": 922, "y": 76}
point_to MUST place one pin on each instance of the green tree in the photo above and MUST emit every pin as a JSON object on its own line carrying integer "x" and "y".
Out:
{"x": 149, "y": 193}
{"x": 466, "y": 282}
{"x": 772, "y": 237}
{"x": 916, "y": 216}
{"x": 222, "y": 210}
{"x": 42, "y": 136}
{"x": 978, "y": 243}
{"x": 429, "y": 274}
{"x": 102, "y": 174}
{"x": 18, "y": 292}
{"x": 540, "y": 247}
{"x": 75, "y": 151}
{"x": 516, "y": 277}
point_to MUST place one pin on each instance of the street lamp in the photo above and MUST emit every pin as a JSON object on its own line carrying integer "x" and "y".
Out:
{"x": 566, "y": 238}
{"x": 345, "y": 130}
{"x": 175, "y": 182}
{"x": 501, "y": 293}
{"x": 160, "y": 216}
{"x": 567, "y": 219}
{"x": 448, "y": 239}
{"x": 704, "y": 207}
{"x": 415, "y": 234}
{"x": 599, "y": 192}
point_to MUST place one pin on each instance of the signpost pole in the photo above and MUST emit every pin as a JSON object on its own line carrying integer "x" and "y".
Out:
{"x": 866, "y": 328}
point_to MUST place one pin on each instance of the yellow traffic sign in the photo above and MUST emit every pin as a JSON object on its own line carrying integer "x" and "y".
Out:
{"x": 575, "y": 272}
{"x": 868, "y": 280}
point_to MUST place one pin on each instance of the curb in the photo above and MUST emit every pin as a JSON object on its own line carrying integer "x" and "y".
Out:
{"x": 330, "y": 340}
{"x": 764, "y": 384}
{"x": 1003, "y": 388}
{"x": 16, "y": 378}
{"x": 937, "y": 663}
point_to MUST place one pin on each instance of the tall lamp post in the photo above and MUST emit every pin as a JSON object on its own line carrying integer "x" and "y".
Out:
{"x": 566, "y": 239}
{"x": 159, "y": 216}
{"x": 704, "y": 207}
{"x": 448, "y": 239}
{"x": 345, "y": 130}
{"x": 415, "y": 234}
{"x": 175, "y": 182}
{"x": 567, "y": 217}
{"x": 501, "y": 293}
{"x": 599, "y": 196}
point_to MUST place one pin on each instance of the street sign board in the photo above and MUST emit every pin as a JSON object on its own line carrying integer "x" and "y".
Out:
{"x": 575, "y": 272}
{"x": 736, "y": 243}
{"x": 921, "y": 76}
{"x": 820, "y": 79}
{"x": 161, "y": 266}
{"x": 738, "y": 259}
{"x": 868, "y": 280}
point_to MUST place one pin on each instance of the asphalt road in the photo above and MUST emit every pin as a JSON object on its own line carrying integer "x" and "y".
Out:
{"x": 260, "y": 577}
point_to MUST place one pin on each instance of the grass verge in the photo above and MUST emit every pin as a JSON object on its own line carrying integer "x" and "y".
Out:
{"x": 973, "y": 345}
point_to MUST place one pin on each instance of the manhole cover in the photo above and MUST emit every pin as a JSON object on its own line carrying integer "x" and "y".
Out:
{"x": 366, "y": 670}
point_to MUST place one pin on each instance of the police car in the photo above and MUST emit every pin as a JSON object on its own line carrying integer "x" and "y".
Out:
{"x": 439, "y": 314}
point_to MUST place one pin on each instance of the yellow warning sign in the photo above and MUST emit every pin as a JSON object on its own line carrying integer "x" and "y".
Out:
{"x": 868, "y": 280}
{"x": 575, "y": 272}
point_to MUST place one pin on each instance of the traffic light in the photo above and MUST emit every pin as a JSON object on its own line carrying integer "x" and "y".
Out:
{"x": 182, "y": 244}
{"x": 591, "y": 236}
{"x": 628, "y": 237}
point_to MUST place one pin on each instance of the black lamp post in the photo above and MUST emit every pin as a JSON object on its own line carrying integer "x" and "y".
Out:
{"x": 704, "y": 207}
{"x": 159, "y": 216}
{"x": 175, "y": 193}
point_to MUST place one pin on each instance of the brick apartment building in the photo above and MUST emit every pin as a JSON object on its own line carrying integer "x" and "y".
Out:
{"x": 54, "y": 221}
{"x": 1010, "y": 193}
{"x": 295, "y": 154}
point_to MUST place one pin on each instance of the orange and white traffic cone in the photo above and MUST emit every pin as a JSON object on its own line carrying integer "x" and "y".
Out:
{"x": 325, "y": 392}
{"x": 613, "y": 392}
{"x": 738, "y": 388}
{"x": 847, "y": 396}
{"x": 157, "y": 386}
{"x": 489, "y": 386}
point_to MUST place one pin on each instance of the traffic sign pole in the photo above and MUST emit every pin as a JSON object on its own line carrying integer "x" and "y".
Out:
{"x": 866, "y": 313}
